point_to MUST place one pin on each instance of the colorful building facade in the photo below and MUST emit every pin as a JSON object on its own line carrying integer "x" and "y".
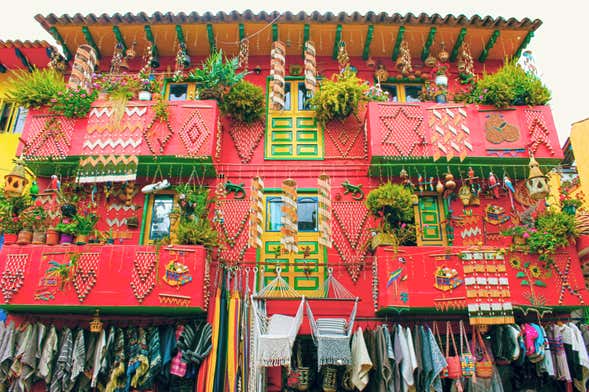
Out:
{"x": 291, "y": 195}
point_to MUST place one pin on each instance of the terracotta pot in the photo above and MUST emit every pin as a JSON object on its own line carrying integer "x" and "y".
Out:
{"x": 81, "y": 239}
{"x": 24, "y": 237}
{"x": 39, "y": 237}
{"x": 10, "y": 238}
{"x": 52, "y": 237}
{"x": 65, "y": 238}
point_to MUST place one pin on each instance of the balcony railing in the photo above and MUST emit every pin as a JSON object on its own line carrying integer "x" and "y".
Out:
{"x": 112, "y": 278}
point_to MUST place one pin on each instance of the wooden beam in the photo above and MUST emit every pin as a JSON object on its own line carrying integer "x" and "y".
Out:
{"x": 367, "y": 42}
{"x": 458, "y": 44}
{"x": 241, "y": 31}
{"x": 211, "y": 37}
{"x": 489, "y": 46}
{"x": 55, "y": 34}
{"x": 306, "y": 35}
{"x": 275, "y": 32}
{"x": 149, "y": 36}
{"x": 180, "y": 35}
{"x": 120, "y": 38}
{"x": 428, "y": 43}
{"x": 90, "y": 41}
{"x": 23, "y": 59}
{"x": 523, "y": 45}
{"x": 397, "y": 47}
{"x": 338, "y": 39}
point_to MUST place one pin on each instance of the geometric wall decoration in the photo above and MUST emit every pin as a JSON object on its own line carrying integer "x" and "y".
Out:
{"x": 450, "y": 135}
{"x": 539, "y": 132}
{"x": 13, "y": 275}
{"x": 86, "y": 274}
{"x": 345, "y": 139}
{"x": 246, "y": 138}
{"x": 144, "y": 274}
{"x": 402, "y": 130}
{"x": 49, "y": 136}
{"x": 193, "y": 133}
{"x": 232, "y": 229}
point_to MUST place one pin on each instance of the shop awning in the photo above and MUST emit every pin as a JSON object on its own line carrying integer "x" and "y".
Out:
{"x": 107, "y": 168}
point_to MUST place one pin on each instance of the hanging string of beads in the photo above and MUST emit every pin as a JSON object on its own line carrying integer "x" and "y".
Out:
{"x": 256, "y": 213}
{"x": 182, "y": 61}
{"x": 289, "y": 230}
{"x": 465, "y": 63}
{"x": 244, "y": 52}
{"x": 277, "y": 74}
{"x": 117, "y": 58}
{"x": 147, "y": 60}
{"x": 310, "y": 67}
{"x": 343, "y": 58}
{"x": 404, "y": 61}
{"x": 324, "y": 210}
{"x": 220, "y": 194}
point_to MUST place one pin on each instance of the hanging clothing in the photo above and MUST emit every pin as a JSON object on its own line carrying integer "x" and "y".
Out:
{"x": 85, "y": 377}
{"x": 167, "y": 347}
{"x": 44, "y": 370}
{"x": 99, "y": 354}
{"x": 78, "y": 357}
{"x": 427, "y": 375}
{"x": 559, "y": 354}
{"x": 177, "y": 366}
{"x": 438, "y": 363}
{"x": 418, "y": 376}
{"x": 142, "y": 357}
{"x": 579, "y": 346}
{"x": 361, "y": 363}
{"x": 20, "y": 372}
{"x": 116, "y": 378}
{"x": 412, "y": 359}
{"x": 548, "y": 360}
{"x": 154, "y": 358}
{"x": 63, "y": 367}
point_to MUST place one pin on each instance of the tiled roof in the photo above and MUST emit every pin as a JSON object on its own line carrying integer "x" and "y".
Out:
{"x": 24, "y": 44}
{"x": 302, "y": 17}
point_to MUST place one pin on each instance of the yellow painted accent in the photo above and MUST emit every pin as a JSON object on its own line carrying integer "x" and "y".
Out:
{"x": 294, "y": 133}
{"x": 8, "y": 144}
{"x": 190, "y": 93}
{"x": 419, "y": 224}
{"x": 301, "y": 278}
{"x": 147, "y": 230}
{"x": 401, "y": 96}
{"x": 579, "y": 141}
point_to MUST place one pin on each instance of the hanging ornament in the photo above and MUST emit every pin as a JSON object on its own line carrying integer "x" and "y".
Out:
{"x": 536, "y": 183}
{"x": 182, "y": 61}
{"x": 443, "y": 55}
{"x": 324, "y": 210}
{"x": 244, "y": 53}
{"x": 16, "y": 181}
{"x": 56, "y": 62}
{"x": 465, "y": 62}
{"x": 343, "y": 58}
{"x": 464, "y": 194}
{"x": 289, "y": 229}
{"x": 96, "y": 324}
{"x": 256, "y": 213}
{"x": 430, "y": 61}
{"x": 450, "y": 184}
{"x": 117, "y": 58}
{"x": 130, "y": 53}
{"x": 493, "y": 185}
{"x": 277, "y": 74}
{"x": 381, "y": 74}
{"x": 83, "y": 68}
{"x": 220, "y": 194}
{"x": 510, "y": 190}
{"x": 404, "y": 60}
{"x": 310, "y": 67}
{"x": 439, "y": 187}
{"x": 147, "y": 60}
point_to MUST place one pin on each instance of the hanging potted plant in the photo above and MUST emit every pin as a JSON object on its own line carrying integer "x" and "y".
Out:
{"x": 216, "y": 76}
{"x": 393, "y": 205}
{"x": 570, "y": 204}
{"x": 244, "y": 103}
{"x": 84, "y": 224}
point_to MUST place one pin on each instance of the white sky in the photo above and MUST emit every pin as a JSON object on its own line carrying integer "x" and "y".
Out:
{"x": 559, "y": 45}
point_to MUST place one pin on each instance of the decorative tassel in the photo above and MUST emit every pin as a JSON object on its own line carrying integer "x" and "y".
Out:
{"x": 289, "y": 216}
{"x": 324, "y": 207}
{"x": 310, "y": 66}
{"x": 277, "y": 73}
{"x": 244, "y": 52}
{"x": 256, "y": 213}
{"x": 220, "y": 194}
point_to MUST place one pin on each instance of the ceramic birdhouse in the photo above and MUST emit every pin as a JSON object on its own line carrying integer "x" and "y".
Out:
{"x": 536, "y": 183}
{"x": 16, "y": 181}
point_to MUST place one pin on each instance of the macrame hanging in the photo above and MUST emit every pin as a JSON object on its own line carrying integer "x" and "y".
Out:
{"x": 256, "y": 213}
{"x": 277, "y": 288}
{"x": 117, "y": 59}
{"x": 289, "y": 216}
{"x": 343, "y": 58}
{"x": 277, "y": 74}
{"x": 310, "y": 67}
{"x": 404, "y": 60}
{"x": 333, "y": 289}
{"x": 324, "y": 210}
{"x": 244, "y": 53}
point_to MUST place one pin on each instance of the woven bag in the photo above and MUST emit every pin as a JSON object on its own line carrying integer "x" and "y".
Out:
{"x": 466, "y": 358}
{"x": 454, "y": 367}
{"x": 484, "y": 367}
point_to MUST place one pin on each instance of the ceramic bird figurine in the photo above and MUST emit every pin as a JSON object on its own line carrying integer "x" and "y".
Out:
{"x": 34, "y": 191}
{"x": 508, "y": 184}
{"x": 431, "y": 184}
{"x": 493, "y": 185}
{"x": 420, "y": 183}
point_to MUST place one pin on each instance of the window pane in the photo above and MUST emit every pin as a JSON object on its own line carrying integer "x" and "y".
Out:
{"x": 307, "y": 213}
{"x": 412, "y": 93}
{"x": 392, "y": 90}
{"x": 5, "y": 117}
{"x": 178, "y": 92}
{"x": 19, "y": 124}
{"x": 303, "y": 97}
{"x": 160, "y": 217}
{"x": 273, "y": 213}
{"x": 287, "y": 96}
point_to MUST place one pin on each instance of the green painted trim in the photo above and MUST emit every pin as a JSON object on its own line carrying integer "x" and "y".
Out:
{"x": 241, "y": 31}
{"x": 523, "y": 45}
{"x": 489, "y": 46}
{"x": 106, "y": 310}
{"x": 367, "y": 42}
{"x": 149, "y": 36}
{"x": 55, "y": 34}
{"x": 306, "y": 35}
{"x": 180, "y": 34}
{"x": 397, "y": 47}
{"x": 90, "y": 41}
{"x": 428, "y": 43}
{"x": 336, "y": 42}
{"x": 211, "y": 38}
{"x": 143, "y": 219}
{"x": 119, "y": 37}
{"x": 458, "y": 44}
{"x": 23, "y": 59}
{"x": 275, "y": 32}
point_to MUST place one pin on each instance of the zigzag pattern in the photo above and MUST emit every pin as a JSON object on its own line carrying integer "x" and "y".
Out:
{"x": 119, "y": 207}
{"x": 106, "y": 159}
{"x": 470, "y": 232}
{"x": 112, "y": 143}
{"x": 139, "y": 111}
{"x": 123, "y": 127}
{"x": 116, "y": 222}
{"x": 99, "y": 112}
{"x": 108, "y": 112}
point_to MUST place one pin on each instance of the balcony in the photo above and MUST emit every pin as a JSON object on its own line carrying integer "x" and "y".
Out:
{"x": 452, "y": 278}
{"x": 113, "y": 278}
{"x": 406, "y": 133}
{"x": 189, "y": 136}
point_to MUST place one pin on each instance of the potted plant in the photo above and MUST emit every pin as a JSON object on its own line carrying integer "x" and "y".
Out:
{"x": 84, "y": 224}
{"x": 196, "y": 232}
{"x": 216, "y": 75}
{"x": 67, "y": 230}
{"x": 570, "y": 204}
{"x": 11, "y": 226}
{"x": 148, "y": 86}
{"x": 393, "y": 205}
{"x": 38, "y": 218}
{"x": 441, "y": 77}
{"x": 244, "y": 102}
{"x": 73, "y": 103}
{"x": 34, "y": 89}
{"x": 519, "y": 234}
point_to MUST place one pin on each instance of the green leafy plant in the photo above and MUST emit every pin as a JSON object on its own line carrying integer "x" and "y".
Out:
{"x": 196, "y": 232}
{"x": 36, "y": 88}
{"x": 66, "y": 228}
{"x": 339, "y": 97}
{"x": 35, "y": 217}
{"x": 84, "y": 224}
{"x": 216, "y": 75}
{"x": 552, "y": 231}
{"x": 73, "y": 102}
{"x": 510, "y": 85}
{"x": 193, "y": 201}
{"x": 63, "y": 272}
{"x": 244, "y": 102}
{"x": 161, "y": 110}
{"x": 11, "y": 211}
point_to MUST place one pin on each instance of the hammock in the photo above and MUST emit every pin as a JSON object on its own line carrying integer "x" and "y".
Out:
{"x": 332, "y": 338}
{"x": 275, "y": 336}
